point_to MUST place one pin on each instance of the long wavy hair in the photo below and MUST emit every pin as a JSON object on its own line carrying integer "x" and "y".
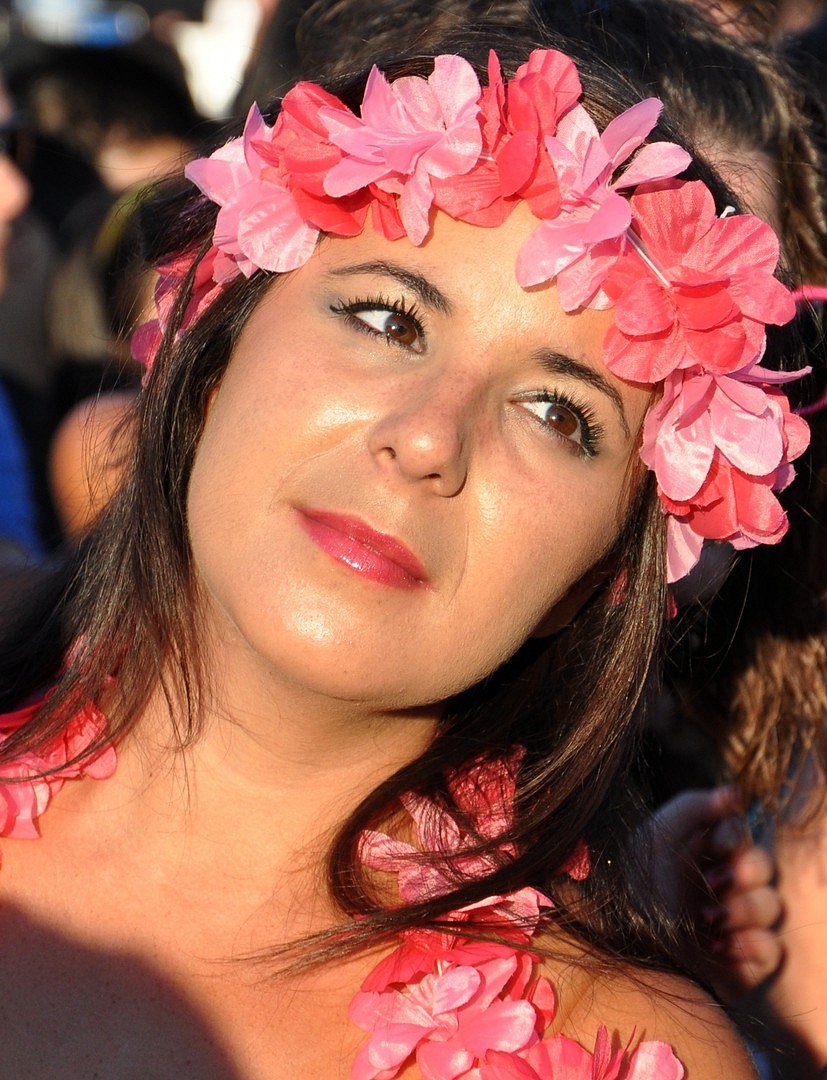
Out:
{"x": 572, "y": 700}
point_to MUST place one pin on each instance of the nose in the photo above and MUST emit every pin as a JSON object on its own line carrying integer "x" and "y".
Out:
{"x": 426, "y": 438}
{"x": 14, "y": 190}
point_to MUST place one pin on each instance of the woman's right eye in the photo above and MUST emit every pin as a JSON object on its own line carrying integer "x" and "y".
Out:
{"x": 395, "y": 325}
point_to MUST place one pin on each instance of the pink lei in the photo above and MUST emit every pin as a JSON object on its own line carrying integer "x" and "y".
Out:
{"x": 28, "y": 783}
{"x": 461, "y": 1008}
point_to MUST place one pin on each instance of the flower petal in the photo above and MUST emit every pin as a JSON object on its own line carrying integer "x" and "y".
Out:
{"x": 625, "y": 133}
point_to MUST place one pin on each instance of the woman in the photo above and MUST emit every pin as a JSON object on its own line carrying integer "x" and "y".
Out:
{"x": 368, "y": 622}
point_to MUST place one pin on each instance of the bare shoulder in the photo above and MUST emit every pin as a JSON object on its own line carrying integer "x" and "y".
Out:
{"x": 642, "y": 1006}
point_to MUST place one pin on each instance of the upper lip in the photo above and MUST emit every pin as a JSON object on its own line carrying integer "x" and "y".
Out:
{"x": 382, "y": 543}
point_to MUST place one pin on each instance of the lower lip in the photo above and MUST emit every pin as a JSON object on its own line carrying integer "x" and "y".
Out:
{"x": 357, "y": 555}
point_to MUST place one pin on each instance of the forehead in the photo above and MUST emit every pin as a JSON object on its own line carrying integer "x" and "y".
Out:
{"x": 454, "y": 249}
{"x": 473, "y": 269}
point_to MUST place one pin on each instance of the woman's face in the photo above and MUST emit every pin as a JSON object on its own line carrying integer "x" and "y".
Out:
{"x": 410, "y": 463}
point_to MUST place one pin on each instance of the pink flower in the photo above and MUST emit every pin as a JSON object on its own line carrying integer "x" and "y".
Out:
{"x": 579, "y": 864}
{"x": 514, "y": 164}
{"x": 444, "y": 857}
{"x": 733, "y": 506}
{"x": 700, "y": 415}
{"x": 542, "y": 92}
{"x": 207, "y": 285}
{"x": 24, "y": 794}
{"x": 433, "y": 870}
{"x": 85, "y": 727}
{"x": 260, "y": 224}
{"x": 23, "y": 798}
{"x": 484, "y": 792}
{"x": 303, "y": 155}
{"x": 581, "y": 243}
{"x": 500, "y": 1066}
{"x": 720, "y": 446}
{"x": 479, "y": 997}
{"x": 683, "y": 548}
{"x": 564, "y": 1058}
{"x": 422, "y": 952}
{"x": 464, "y": 1008}
{"x": 409, "y": 132}
{"x": 743, "y": 437}
{"x": 700, "y": 293}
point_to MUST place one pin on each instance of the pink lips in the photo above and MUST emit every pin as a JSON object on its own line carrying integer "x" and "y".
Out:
{"x": 372, "y": 554}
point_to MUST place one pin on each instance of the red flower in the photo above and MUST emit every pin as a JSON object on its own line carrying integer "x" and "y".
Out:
{"x": 700, "y": 290}
{"x": 514, "y": 163}
{"x": 23, "y": 800}
{"x": 210, "y": 275}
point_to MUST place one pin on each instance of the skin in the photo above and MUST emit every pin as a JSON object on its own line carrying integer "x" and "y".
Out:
{"x": 752, "y": 175}
{"x": 14, "y": 190}
{"x": 323, "y": 682}
{"x": 797, "y": 997}
{"x": 706, "y": 861}
{"x": 440, "y": 448}
{"x": 125, "y": 162}
{"x": 87, "y": 457}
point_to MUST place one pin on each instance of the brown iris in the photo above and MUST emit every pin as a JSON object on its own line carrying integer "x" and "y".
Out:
{"x": 400, "y": 329}
{"x": 562, "y": 419}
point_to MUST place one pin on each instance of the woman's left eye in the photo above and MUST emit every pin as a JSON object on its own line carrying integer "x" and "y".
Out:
{"x": 566, "y": 420}
{"x": 396, "y": 325}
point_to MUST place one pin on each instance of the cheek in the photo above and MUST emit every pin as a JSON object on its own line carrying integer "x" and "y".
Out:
{"x": 270, "y": 429}
{"x": 542, "y": 542}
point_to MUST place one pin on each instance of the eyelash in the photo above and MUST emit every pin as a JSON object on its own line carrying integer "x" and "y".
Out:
{"x": 591, "y": 430}
{"x": 351, "y": 309}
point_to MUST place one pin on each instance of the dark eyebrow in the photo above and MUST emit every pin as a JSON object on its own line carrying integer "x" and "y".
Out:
{"x": 557, "y": 364}
{"x": 427, "y": 292}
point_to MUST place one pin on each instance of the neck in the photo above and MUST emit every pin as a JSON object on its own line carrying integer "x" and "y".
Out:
{"x": 260, "y": 793}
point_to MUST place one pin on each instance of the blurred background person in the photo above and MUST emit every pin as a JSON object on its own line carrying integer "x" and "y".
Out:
{"x": 100, "y": 122}
{"x": 19, "y": 541}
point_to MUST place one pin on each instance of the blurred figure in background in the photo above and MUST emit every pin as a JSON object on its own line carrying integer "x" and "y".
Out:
{"x": 14, "y": 190}
{"x": 18, "y": 529}
{"x": 127, "y": 110}
{"x": 93, "y": 440}
{"x": 126, "y": 113}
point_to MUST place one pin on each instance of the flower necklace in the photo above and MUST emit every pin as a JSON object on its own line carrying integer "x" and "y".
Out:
{"x": 29, "y": 782}
{"x": 462, "y": 1008}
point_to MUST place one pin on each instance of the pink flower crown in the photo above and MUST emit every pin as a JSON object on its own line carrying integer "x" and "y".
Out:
{"x": 691, "y": 291}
